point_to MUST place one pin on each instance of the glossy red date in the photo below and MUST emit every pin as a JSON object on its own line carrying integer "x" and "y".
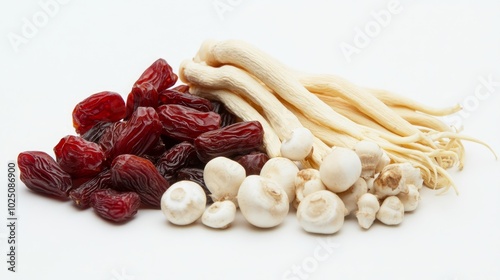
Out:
{"x": 175, "y": 158}
{"x": 81, "y": 195}
{"x": 154, "y": 79}
{"x": 136, "y": 136}
{"x": 133, "y": 173}
{"x": 115, "y": 206}
{"x": 79, "y": 157}
{"x": 185, "y": 124}
{"x": 103, "y": 106}
{"x": 232, "y": 140}
{"x": 41, "y": 173}
{"x": 169, "y": 96}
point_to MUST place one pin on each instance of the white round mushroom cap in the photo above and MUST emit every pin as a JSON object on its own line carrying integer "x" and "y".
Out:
{"x": 183, "y": 202}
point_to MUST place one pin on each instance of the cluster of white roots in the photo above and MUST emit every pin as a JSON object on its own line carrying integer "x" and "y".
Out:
{"x": 254, "y": 86}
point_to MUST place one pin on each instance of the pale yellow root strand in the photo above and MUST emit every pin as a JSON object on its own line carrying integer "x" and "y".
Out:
{"x": 453, "y": 135}
{"x": 393, "y": 99}
{"x": 329, "y": 137}
{"x": 421, "y": 119}
{"x": 278, "y": 78}
{"x": 371, "y": 127}
{"x": 236, "y": 80}
{"x": 351, "y": 112}
{"x": 363, "y": 100}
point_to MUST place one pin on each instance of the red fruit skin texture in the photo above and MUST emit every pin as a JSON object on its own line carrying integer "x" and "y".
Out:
{"x": 41, "y": 173}
{"x": 227, "y": 118}
{"x": 253, "y": 162}
{"x": 181, "y": 88}
{"x": 79, "y": 157}
{"x": 185, "y": 124}
{"x": 110, "y": 137}
{"x": 81, "y": 195}
{"x": 170, "y": 96}
{"x": 175, "y": 158}
{"x": 155, "y": 152}
{"x": 232, "y": 140}
{"x": 133, "y": 173}
{"x": 138, "y": 135}
{"x": 95, "y": 133}
{"x": 103, "y": 106}
{"x": 115, "y": 206}
{"x": 154, "y": 79}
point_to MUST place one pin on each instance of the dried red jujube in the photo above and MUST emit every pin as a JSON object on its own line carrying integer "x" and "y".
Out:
{"x": 169, "y": 96}
{"x": 138, "y": 135}
{"x": 103, "y": 106}
{"x": 154, "y": 79}
{"x": 253, "y": 162}
{"x": 227, "y": 118}
{"x": 81, "y": 195}
{"x": 115, "y": 206}
{"x": 41, "y": 173}
{"x": 110, "y": 136}
{"x": 175, "y": 158}
{"x": 181, "y": 88}
{"x": 185, "y": 124}
{"x": 133, "y": 173}
{"x": 79, "y": 157}
{"x": 236, "y": 139}
{"x": 95, "y": 133}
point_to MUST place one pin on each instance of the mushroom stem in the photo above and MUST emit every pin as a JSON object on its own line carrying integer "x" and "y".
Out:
{"x": 368, "y": 206}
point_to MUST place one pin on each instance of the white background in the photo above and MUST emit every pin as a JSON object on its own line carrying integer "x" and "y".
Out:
{"x": 433, "y": 53}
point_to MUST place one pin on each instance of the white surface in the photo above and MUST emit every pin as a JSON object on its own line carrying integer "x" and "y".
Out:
{"x": 434, "y": 53}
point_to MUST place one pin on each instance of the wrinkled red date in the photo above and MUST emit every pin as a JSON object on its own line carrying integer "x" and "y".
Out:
{"x": 81, "y": 195}
{"x": 115, "y": 206}
{"x": 154, "y": 79}
{"x": 169, "y": 96}
{"x": 95, "y": 133}
{"x": 110, "y": 136}
{"x": 155, "y": 152}
{"x": 133, "y": 173}
{"x": 227, "y": 118}
{"x": 175, "y": 158}
{"x": 103, "y": 106}
{"x": 138, "y": 135}
{"x": 253, "y": 162}
{"x": 79, "y": 157}
{"x": 185, "y": 124}
{"x": 41, "y": 173}
{"x": 229, "y": 141}
{"x": 181, "y": 88}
